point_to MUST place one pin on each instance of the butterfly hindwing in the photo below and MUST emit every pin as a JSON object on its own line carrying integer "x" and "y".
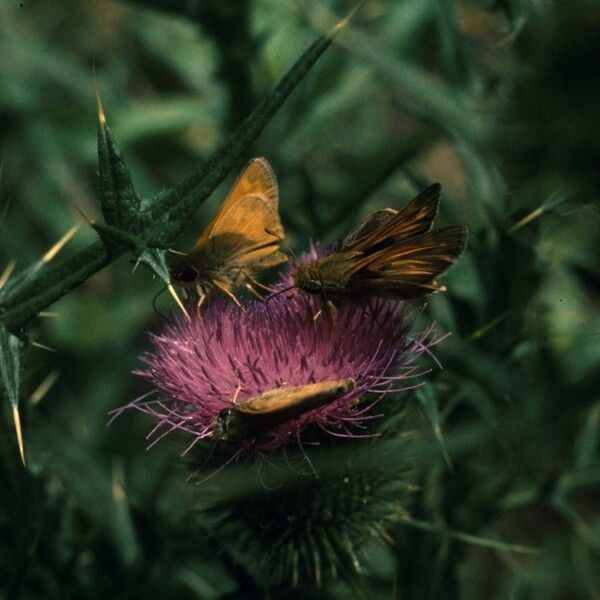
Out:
{"x": 368, "y": 225}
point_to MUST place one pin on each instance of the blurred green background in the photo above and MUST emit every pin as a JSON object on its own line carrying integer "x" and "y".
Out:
{"x": 499, "y": 101}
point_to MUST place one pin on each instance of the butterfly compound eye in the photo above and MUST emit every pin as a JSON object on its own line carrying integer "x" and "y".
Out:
{"x": 222, "y": 423}
{"x": 184, "y": 274}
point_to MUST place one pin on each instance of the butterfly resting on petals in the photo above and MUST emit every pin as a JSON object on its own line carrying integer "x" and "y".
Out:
{"x": 242, "y": 239}
{"x": 391, "y": 254}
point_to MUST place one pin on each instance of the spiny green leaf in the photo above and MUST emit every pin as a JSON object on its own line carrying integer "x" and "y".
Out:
{"x": 10, "y": 378}
{"x": 118, "y": 199}
{"x": 554, "y": 203}
{"x": 208, "y": 580}
{"x": 6, "y": 206}
{"x": 117, "y": 238}
{"x": 121, "y": 524}
{"x": 156, "y": 260}
{"x": 12, "y": 284}
{"x": 285, "y": 527}
{"x": 561, "y": 502}
{"x": 10, "y": 365}
{"x": 167, "y": 213}
{"x": 422, "y": 94}
{"x": 53, "y": 282}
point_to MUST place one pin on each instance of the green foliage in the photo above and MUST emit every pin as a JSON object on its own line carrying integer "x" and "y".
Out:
{"x": 497, "y": 101}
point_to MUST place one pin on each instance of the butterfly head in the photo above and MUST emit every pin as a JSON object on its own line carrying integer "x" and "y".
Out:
{"x": 307, "y": 279}
{"x": 184, "y": 274}
{"x": 223, "y": 424}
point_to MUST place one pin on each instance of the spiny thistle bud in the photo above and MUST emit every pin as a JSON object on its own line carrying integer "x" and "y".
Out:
{"x": 288, "y": 528}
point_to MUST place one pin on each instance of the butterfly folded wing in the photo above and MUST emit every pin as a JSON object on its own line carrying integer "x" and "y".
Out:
{"x": 409, "y": 268}
{"x": 297, "y": 399}
{"x": 259, "y": 415}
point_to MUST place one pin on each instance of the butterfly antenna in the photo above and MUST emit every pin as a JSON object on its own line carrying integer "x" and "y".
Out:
{"x": 291, "y": 251}
{"x": 156, "y": 297}
{"x": 287, "y": 289}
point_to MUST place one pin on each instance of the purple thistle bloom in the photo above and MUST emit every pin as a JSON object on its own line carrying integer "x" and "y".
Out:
{"x": 198, "y": 367}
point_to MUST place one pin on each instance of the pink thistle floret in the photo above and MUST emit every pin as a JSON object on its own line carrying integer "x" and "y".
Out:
{"x": 199, "y": 366}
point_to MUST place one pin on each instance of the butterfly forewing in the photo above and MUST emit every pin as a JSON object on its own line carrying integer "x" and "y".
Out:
{"x": 256, "y": 179}
{"x": 414, "y": 219}
{"x": 424, "y": 256}
{"x": 299, "y": 398}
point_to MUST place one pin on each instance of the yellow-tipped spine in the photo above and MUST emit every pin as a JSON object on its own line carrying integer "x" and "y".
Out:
{"x": 19, "y": 432}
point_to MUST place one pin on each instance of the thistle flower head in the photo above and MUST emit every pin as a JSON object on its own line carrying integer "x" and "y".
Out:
{"x": 227, "y": 354}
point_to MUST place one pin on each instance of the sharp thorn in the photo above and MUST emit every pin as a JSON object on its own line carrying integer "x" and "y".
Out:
{"x": 19, "y": 432}
{"x": 60, "y": 244}
{"x": 44, "y": 387}
{"x": 10, "y": 267}
{"x": 43, "y": 347}
{"x": 343, "y": 22}
{"x": 85, "y": 217}
{"x": 178, "y": 300}
{"x": 101, "y": 115}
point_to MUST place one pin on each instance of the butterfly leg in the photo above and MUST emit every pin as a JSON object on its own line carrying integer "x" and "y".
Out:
{"x": 328, "y": 308}
{"x": 321, "y": 302}
{"x": 253, "y": 291}
{"x": 235, "y": 394}
{"x": 257, "y": 283}
{"x": 223, "y": 288}
{"x": 331, "y": 311}
{"x": 201, "y": 299}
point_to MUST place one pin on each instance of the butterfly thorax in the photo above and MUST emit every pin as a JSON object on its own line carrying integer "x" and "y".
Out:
{"x": 328, "y": 276}
{"x": 199, "y": 275}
